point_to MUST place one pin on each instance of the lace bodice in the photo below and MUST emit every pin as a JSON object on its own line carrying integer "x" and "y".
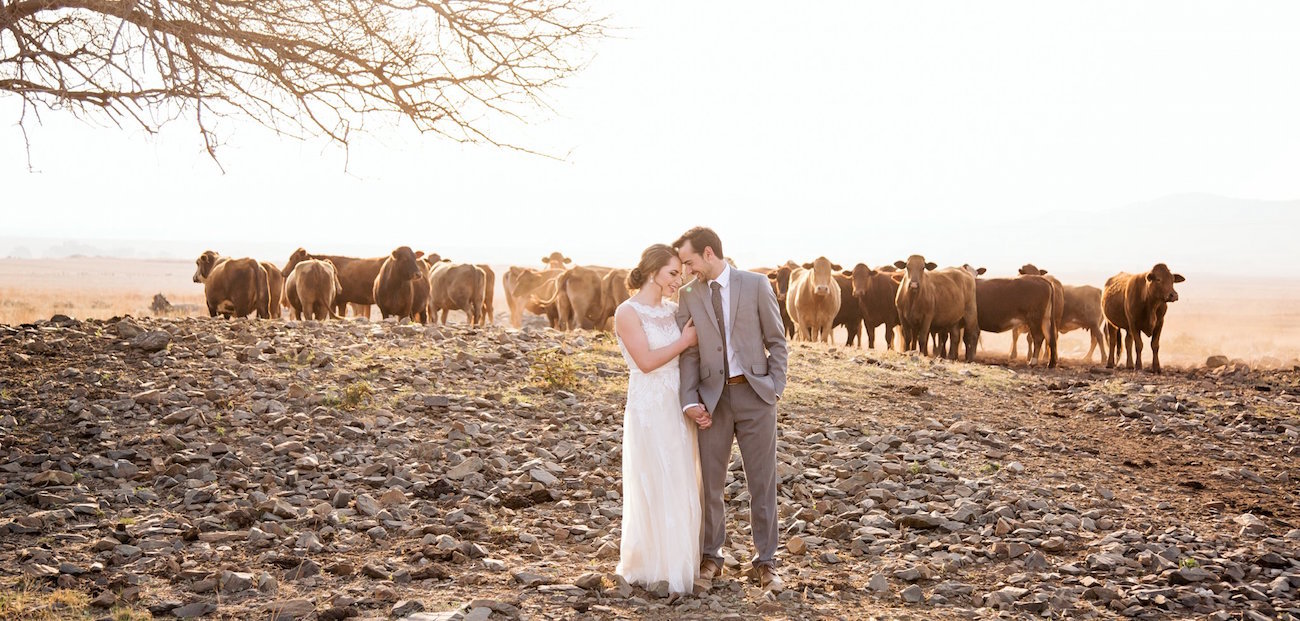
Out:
{"x": 660, "y": 325}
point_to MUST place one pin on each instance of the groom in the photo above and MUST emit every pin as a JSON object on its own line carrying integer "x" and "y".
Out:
{"x": 731, "y": 382}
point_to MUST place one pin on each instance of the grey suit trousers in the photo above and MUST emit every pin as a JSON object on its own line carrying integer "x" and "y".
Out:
{"x": 742, "y": 415}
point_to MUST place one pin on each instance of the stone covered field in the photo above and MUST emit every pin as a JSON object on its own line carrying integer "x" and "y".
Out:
{"x": 192, "y": 467}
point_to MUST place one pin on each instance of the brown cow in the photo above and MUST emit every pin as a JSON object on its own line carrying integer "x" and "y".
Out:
{"x": 613, "y": 291}
{"x": 310, "y": 290}
{"x": 1081, "y": 309}
{"x": 357, "y": 275}
{"x": 850, "y": 314}
{"x": 874, "y": 291}
{"x": 780, "y": 278}
{"x": 1136, "y": 304}
{"x": 422, "y": 289}
{"x": 392, "y": 289}
{"x": 233, "y": 287}
{"x": 457, "y": 286}
{"x": 274, "y": 284}
{"x": 522, "y": 285}
{"x": 814, "y": 299}
{"x": 488, "y": 314}
{"x": 936, "y": 301}
{"x": 577, "y": 300}
{"x": 556, "y": 261}
{"x": 1028, "y": 301}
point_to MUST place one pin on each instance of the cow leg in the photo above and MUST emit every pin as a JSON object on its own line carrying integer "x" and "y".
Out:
{"x": 1015, "y": 341}
{"x": 871, "y": 337}
{"x": 923, "y": 336}
{"x": 971, "y": 338}
{"x": 1096, "y": 341}
{"x": 212, "y": 310}
{"x": 1155, "y": 345}
{"x": 516, "y": 313}
{"x": 1049, "y": 333}
{"x": 1137, "y": 350}
{"x": 954, "y": 337}
{"x": 1112, "y": 346}
{"x": 1128, "y": 349}
{"x": 889, "y": 336}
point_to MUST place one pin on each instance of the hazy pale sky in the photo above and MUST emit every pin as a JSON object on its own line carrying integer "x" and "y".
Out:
{"x": 858, "y": 130}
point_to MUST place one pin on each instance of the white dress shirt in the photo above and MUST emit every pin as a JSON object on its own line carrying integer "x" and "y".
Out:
{"x": 724, "y": 279}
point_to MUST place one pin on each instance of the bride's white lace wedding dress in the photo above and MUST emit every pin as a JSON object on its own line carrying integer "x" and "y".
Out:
{"x": 661, "y": 498}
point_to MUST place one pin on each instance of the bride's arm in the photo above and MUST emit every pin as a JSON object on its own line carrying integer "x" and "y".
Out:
{"x": 628, "y": 327}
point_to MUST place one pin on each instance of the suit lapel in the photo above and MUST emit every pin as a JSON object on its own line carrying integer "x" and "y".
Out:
{"x": 734, "y": 284}
{"x": 706, "y": 300}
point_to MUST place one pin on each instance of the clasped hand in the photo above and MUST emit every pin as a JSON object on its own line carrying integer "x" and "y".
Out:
{"x": 700, "y": 415}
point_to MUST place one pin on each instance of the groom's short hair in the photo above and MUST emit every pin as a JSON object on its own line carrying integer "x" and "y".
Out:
{"x": 701, "y": 237}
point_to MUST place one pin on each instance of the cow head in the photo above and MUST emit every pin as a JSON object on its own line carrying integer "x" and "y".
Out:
{"x": 1160, "y": 282}
{"x": 822, "y": 281}
{"x": 1029, "y": 269}
{"x": 204, "y": 265}
{"x": 556, "y": 260}
{"x": 297, "y": 257}
{"x": 861, "y": 276}
{"x": 914, "y": 269}
{"x": 404, "y": 267}
{"x": 781, "y": 277}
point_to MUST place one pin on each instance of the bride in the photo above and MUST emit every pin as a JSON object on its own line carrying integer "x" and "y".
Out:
{"x": 661, "y": 498}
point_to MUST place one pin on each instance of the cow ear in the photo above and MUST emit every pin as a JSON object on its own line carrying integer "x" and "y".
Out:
{"x": 807, "y": 266}
{"x": 836, "y": 266}
{"x": 900, "y": 264}
{"x": 931, "y": 266}
{"x": 546, "y": 259}
{"x": 771, "y": 276}
{"x": 1151, "y": 277}
{"x": 1179, "y": 278}
{"x": 1042, "y": 272}
{"x": 980, "y": 271}
{"x": 896, "y": 277}
{"x": 568, "y": 260}
{"x": 419, "y": 253}
{"x": 848, "y": 273}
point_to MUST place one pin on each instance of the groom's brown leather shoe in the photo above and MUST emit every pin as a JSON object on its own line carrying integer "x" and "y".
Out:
{"x": 767, "y": 577}
{"x": 710, "y": 569}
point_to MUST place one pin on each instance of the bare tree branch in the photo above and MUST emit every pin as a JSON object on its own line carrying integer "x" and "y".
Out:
{"x": 302, "y": 68}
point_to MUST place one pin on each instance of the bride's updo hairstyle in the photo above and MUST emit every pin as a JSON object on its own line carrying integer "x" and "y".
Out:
{"x": 652, "y": 260}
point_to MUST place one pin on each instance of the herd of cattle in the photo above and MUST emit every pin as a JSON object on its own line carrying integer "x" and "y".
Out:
{"x": 944, "y": 308}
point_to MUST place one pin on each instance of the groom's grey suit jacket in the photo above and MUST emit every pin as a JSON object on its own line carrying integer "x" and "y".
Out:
{"x": 757, "y": 334}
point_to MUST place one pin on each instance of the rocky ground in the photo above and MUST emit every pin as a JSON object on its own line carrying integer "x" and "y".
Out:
{"x": 255, "y": 470}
